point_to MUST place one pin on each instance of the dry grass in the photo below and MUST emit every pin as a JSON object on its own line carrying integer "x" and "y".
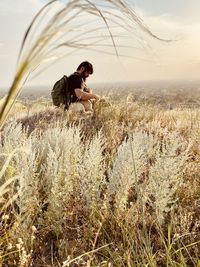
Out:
{"x": 72, "y": 178}
{"x": 118, "y": 188}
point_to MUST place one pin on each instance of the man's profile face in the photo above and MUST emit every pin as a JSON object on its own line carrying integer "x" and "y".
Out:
{"x": 85, "y": 74}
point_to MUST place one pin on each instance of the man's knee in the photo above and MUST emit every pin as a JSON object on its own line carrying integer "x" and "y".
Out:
{"x": 87, "y": 105}
{"x": 77, "y": 107}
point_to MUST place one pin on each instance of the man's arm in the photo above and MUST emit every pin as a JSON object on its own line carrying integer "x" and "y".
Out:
{"x": 87, "y": 89}
{"x": 84, "y": 95}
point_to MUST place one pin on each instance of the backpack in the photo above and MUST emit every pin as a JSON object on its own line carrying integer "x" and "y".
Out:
{"x": 60, "y": 93}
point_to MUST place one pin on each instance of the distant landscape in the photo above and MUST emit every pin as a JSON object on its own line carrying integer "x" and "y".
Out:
{"x": 165, "y": 93}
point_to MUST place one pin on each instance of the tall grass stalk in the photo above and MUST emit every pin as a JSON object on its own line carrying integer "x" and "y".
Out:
{"x": 54, "y": 28}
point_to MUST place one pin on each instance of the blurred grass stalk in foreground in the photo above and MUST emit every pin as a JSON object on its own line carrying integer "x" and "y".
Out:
{"x": 60, "y": 29}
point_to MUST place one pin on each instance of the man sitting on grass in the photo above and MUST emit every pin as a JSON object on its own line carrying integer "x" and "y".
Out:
{"x": 81, "y": 96}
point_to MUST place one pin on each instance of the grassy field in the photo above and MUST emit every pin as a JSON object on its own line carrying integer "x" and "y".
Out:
{"x": 118, "y": 188}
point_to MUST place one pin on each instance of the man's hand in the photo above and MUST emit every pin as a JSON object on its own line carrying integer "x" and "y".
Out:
{"x": 85, "y": 96}
{"x": 97, "y": 97}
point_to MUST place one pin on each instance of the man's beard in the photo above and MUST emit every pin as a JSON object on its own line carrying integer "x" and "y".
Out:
{"x": 83, "y": 76}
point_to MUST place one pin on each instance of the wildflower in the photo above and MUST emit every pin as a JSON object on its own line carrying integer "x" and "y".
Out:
{"x": 18, "y": 246}
{"x": 33, "y": 237}
{"x": 20, "y": 241}
{"x": 5, "y": 217}
{"x": 34, "y": 229}
{"x": 9, "y": 246}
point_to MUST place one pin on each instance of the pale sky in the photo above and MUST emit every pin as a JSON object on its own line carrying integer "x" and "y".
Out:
{"x": 169, "y": 19}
